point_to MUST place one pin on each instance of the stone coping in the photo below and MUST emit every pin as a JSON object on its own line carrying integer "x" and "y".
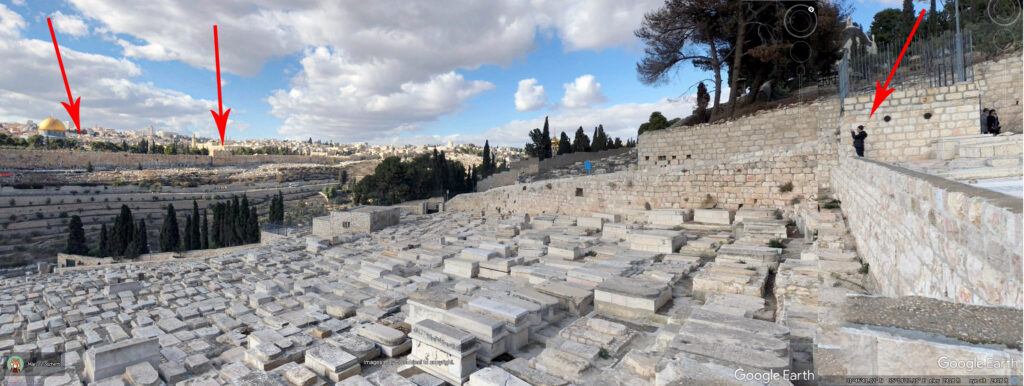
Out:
{"x": 974, "y": 323}
{"x": 1011, "y": 203}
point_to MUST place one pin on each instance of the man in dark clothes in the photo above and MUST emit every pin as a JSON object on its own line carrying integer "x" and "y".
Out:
{"x": 984, "y": 121}
{"x": 858, "y": 140}
{"x": 993, "y": 122}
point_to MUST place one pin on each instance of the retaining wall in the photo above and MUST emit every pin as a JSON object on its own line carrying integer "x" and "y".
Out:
{"x": 928, "y": 236}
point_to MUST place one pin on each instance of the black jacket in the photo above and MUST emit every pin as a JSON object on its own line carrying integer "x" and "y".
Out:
{"x": 993, "y": 122}
{"x": 858, "y": 139}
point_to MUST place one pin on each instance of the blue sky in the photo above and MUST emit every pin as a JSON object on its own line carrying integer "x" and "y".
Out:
{"x": 380, "y": 72}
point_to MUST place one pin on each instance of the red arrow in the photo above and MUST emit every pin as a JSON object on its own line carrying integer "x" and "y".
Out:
{"x": 883, "y": 92}
{"x": 222, "y": 118}
{"x": 72, "y": 105}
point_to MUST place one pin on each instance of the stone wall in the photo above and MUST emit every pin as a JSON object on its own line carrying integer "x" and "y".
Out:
{"x": 749, "y": 180}
{"x": 22, "y": 159}
{"x": 1000, "y": 87}
{"x": 765, "y": 130}
{"x": 928, "y": 236}
{"x": 531, "y": 166}
{"x": 917, "y": 116}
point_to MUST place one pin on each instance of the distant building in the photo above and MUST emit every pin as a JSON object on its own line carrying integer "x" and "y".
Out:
{"x": 51, "y": 128}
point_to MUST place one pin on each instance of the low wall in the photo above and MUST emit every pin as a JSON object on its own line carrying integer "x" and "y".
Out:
{"x": 531, "y": 166}
{"x": 749, "y": 180}
{"x": 22, "y": 159}
{"x": 927, "y": 236}
{"x": 764, "y": 130}
{"x": 908, "y": 134}
{"x": 84, "y": 263}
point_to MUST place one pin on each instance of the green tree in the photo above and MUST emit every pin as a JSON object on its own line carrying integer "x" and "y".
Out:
{"x": 189, "y": 243}
{"x": 123, "y": 232}
{"x": 546, "y": 147}
{"x": 487, "y": 167}
{"x": 103, "y": 248}
{"x": 564, "y": 145}
{"x": 581, "y": 143}
{"x": 254, "y": 226}
{"x": 887, "y": 27}
{"x": 76, "y": 244}
{"x": 703, "y": 98}
{"x": 170, "y": 239}
{"x": 206, "y": 233}
{"x": 657, "y": 121}
{"x": 343, "y": 176}
{"x": 141, "y": 238}
{"x": 88, "y": 167}
{"x": 600, "y": 140}
{"x": 194, "y": 230}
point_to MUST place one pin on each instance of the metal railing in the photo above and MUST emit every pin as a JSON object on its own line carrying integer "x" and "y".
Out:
{"x": 932, "y": 62}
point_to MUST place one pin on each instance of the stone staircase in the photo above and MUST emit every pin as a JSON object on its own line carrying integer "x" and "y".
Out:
{"x": 991, "y": 162}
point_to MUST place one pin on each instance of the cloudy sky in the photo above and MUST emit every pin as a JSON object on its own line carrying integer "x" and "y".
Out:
{"x": 349, "y": 71}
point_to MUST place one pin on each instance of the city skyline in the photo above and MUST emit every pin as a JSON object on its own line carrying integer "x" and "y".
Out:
{"x": 292, "y": 72}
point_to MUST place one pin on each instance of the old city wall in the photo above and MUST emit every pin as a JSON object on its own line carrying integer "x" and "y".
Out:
{"x": 1001, "y": 87}
{"x": 928, "y": 236}
{"x": 752, "y": 180}
{"x": 917, "y": 116}
{"x": 768, "y": 129}
{"x": 21, "y": 159}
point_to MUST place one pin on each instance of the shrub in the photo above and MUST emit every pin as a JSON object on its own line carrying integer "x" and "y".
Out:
{"x": 786, "y": 188}
{"x": 11, "y": 202}
{"x": 863, "y": 269}
{"x": 776, "y": 243}
{"x": 39, "y": 215}
{"x": 63, "y": 214}
{"x": 831, "y": 204}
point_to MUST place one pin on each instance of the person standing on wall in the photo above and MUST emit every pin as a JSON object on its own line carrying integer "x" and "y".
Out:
{"x": 858, "y": 140}
{"x": 984, "y": 121}
{"x": 993, "y": 122}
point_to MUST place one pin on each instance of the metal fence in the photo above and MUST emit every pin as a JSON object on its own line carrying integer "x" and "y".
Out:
{"x": 932, "y": 62}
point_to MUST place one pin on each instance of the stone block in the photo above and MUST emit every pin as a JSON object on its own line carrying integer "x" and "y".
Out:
{"x": 713, "y": 216}
{"x": 112, "y": 360}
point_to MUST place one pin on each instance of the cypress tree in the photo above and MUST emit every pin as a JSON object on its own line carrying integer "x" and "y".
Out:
{"x": 486, "y": 164}
{"x": 196, "y": 241}
{"x": 141, "y": 238}
{"x": 76, "y": 237}
{"x": 215, "y": 240}
{"x": 123, "y": 232}
{"x": 545, "y": 149}
{"x": 205, "y": 233}
{"x": 188, "y": 243}
{"x": 234, "y": 222}
{"x": 169, "y": 237}
{"x": 254, "y": 225}
{"x": 104, "y": 246}
{"x": 564, "y": 145}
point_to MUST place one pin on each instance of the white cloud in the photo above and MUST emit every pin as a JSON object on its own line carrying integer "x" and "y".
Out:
{"x": 530, "y": 95}
{"x": 325, "y": 100}
{"x": 583, "y": 92}
{"x": 620, "y": 120}
{"x": 597, "y": 24}
{"x": 69, "y": 24}
{"x": 31, "y": 87}
{"x": 386, "y": 52}
{"x": 18, "y": 2}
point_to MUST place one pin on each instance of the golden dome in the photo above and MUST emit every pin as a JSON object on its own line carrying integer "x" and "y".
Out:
{"x": 52, "y": 124}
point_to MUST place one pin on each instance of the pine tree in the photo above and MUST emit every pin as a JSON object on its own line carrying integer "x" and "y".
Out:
{"x": 564, "y": 145}
{"x": 189, "y": 243}
{"x": 76, "y": 237}
{"x": 169, "y": 237}
{"x": 104, "y": 243}
{"x": 205, "y": 233}
{"x": 141, "y": 238}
